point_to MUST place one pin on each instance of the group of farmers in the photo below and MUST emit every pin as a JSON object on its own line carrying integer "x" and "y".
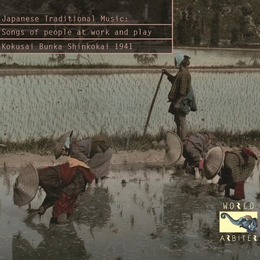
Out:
{"x": 89, "y": 159}
{"x": 233, "y": 167}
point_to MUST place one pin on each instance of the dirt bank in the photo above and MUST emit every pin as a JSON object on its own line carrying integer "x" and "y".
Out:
{"x": 119, "y": 158}
{"x": 150, "y": 158}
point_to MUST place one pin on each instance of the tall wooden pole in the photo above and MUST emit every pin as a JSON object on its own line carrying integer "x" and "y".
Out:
{"x": 151, "y": 107}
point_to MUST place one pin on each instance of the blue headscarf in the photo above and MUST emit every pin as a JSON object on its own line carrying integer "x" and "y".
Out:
{"x": 67, "y": 142}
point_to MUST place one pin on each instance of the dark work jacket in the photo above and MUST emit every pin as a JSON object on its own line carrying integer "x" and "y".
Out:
{"x": 59, "y": 179}
{"x": 187, "y": 104}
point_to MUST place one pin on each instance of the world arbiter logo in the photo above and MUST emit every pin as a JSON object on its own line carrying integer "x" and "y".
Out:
{"x": 243, "y": 222}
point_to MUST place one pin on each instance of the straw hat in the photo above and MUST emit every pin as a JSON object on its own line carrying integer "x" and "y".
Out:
{"x": 26, "y": 185}
{"x": 174, "y": 148}
{"x": 60, "y": 143}
{"x": 213, "y": 162}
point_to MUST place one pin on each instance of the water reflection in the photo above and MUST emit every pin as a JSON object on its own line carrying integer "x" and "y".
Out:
{"x": 62, "y": 241}
{"x": 93, "y": 207}
{"x": 193, "y": 219}
{"x": 6, "y": 181}
{"x": 59, "y": 242}
{"x": 150, "y": 218}
{"x": 179, "y": 210}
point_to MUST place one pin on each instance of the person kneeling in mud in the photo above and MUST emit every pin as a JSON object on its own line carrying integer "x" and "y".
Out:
{"x": 238, "y": 166}
{"x": 62, "y": 184}
{"x": 195, "y": 148}
{"x": 96, "y": 151}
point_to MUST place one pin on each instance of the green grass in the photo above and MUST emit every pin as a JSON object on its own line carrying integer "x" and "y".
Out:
{"x": 41, "y": 145}
{"x": 238, "y": 139}
{"x": 129, "y": 141}
{"x": 111, "y": 66}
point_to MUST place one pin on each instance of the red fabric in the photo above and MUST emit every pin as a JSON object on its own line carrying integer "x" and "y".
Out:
{"x": 239, "y": 190}
{"x": 201, "y": 164}
{"x": 67, "y": 173}
{"x": 65, "y": 204}
{"x": 87, "y": 173}
{"x": 248, "y": 153}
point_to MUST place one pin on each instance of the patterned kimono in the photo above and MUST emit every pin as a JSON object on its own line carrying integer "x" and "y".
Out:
{"x": 182, "y": 99}
{"x": 194, "y": 148}
{"x": 238, "y": 166}
{"x": 62, "y": 186}
{"x": 96, "y": 152}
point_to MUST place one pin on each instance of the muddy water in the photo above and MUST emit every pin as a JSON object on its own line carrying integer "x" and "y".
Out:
{"x": 155, "y": 215}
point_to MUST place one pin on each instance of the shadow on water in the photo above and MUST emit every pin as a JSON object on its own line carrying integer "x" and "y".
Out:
{"x": 59, "y": 242}
{"x": 93, "y": 208}
{"x": 134, "y": 214}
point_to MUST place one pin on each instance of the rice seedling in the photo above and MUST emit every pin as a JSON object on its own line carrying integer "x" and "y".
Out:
{"x": 207, "y": 230}
{"x": 235, "y": 257}
{"x": 149, "y": 209}
{"x": 135, "y": 197}
{"x": 146, "y": 187}
{"x": 111, "y": 198}
{"x": 18, "y": 235}
{"x": 161, "y": 217}
{"x": 101, "y": 215}
{"x": 200, "y": 222}
{"x": 132, "y": 219}
{"x": 5, "y": 167}
{"x": 161, "y": 200}
{"x": 7, "y": 182}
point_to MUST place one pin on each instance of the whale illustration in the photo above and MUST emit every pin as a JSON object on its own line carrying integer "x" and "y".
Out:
{"x": 247, "y": 222}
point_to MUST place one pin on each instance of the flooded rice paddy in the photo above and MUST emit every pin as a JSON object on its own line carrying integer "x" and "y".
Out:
{"x": 154, "y": 215}
{"x": 42, "y": 105}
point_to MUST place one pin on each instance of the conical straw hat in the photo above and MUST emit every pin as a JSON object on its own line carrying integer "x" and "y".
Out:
{"x": 213, "y": 162}
{"x": 173, "y": 150}
{"x": 60, "y": 143}
{"x": 26, "y": 185}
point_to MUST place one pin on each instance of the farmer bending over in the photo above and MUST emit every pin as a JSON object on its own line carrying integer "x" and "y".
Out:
{"x": 62, "y": 184}
{"x": 238, "y": 166}
{"x": 96, "y": 152}
{"x": 195, "y": 148}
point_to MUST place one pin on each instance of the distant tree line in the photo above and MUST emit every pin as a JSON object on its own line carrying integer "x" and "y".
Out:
{"x": 211, "y": 22}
